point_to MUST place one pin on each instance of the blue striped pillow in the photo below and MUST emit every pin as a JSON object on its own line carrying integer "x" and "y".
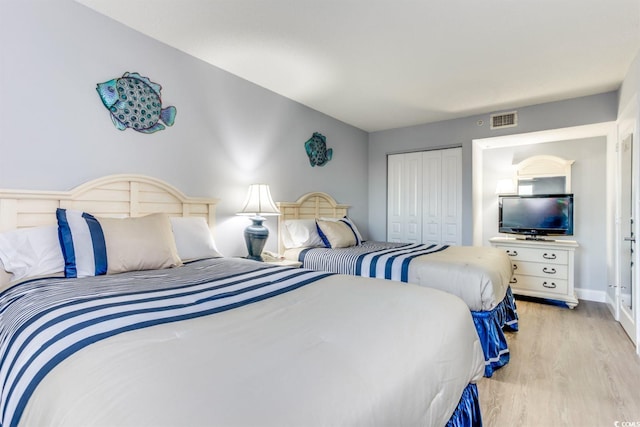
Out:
{"x": 82, "y": 243}
{"x": 336, "y": 234}
{"x": 353, "y": 228}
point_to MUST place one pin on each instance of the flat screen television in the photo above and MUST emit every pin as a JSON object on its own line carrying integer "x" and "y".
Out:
{"x": 536, "y": 216}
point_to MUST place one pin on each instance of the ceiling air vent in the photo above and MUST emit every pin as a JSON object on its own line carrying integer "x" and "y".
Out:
{"x": 504, "y": 120}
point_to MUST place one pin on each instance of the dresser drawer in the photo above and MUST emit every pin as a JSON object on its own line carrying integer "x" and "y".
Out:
{"x": 541, "y": 269}
{"x": 544, "y": 270}
{"x": 539, "y": 284}
{"x": 553, "y": 256}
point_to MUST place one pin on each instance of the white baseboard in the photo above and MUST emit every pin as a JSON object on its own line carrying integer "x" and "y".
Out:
{"x": 591, "y": 295}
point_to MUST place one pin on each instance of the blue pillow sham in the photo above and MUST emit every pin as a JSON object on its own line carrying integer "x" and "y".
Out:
{"x": 82, "y": 243}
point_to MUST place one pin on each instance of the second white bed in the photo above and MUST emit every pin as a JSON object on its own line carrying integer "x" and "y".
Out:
{"x": 478, "y": 275}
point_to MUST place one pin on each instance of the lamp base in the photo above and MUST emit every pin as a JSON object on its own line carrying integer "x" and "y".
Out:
{"x": 255, "y": 236}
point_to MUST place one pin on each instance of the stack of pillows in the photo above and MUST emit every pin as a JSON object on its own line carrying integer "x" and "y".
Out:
{"x": 323, "y": 232}
{"x": 82, "y": 245}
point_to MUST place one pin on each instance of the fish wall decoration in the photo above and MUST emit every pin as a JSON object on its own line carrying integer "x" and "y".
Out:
{"x": 317, "y": 151}
{"x": 134, "y": 102}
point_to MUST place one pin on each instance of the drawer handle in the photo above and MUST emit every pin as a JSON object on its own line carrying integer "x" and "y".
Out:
{"x": 512, "y": 253}
{"x": 549, "y": 270}
{"x": 549, "y": 285}
{"x": 513, "y": 280}
{"x": 547, "y": 256}
{"x": 515, "y": 266}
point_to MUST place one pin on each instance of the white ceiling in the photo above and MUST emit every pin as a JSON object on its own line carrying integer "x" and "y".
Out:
{"x": 382, "y": 64}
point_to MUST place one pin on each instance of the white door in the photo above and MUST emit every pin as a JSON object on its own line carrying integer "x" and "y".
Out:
{"x": 442, "y": 203}
{"x": 432, "y": 197}
{"x": 628, "y": 270}
{"x": 424, "y": 197}
{"x": 452, "y": 196}
{"x": 404, "y": 197}
{"x": 395, "y": 225}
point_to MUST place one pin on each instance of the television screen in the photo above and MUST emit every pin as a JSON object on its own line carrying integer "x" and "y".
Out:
{"x": 537, "y": 215}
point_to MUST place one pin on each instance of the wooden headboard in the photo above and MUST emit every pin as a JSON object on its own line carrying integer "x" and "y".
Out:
{"x": 111, "y": 196}
{"x": 309, "y": 206}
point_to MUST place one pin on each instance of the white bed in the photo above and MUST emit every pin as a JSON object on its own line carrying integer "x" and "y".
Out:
{"x": 220, "y": 341}
{"x": 480, "y": 276}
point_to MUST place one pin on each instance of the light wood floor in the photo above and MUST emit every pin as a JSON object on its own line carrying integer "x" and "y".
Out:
{"x": 567, "y": 368}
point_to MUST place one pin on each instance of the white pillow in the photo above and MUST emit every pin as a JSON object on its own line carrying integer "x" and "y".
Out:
{"x": 5, "y": 277}
{"x": 193, "y": 238}
{"x": 82, "y": 242}
{"x": 351, "y": 224}
{"x": 336, "y": 234}
{"x": 31, "y": 252}
{"x": 301, "y": 233}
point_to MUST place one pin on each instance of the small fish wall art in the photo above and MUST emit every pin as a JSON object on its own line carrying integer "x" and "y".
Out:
{"x": 317, "y": 151}
{"x": 134, "y": 102}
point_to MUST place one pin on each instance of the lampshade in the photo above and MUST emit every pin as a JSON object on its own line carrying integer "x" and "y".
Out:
{"x": 259, "y": 201}
{"x": 259, "y": 204}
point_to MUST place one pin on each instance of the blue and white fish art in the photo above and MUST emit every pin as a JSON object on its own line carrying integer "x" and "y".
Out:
{"x": 134, "y": 102}
{"x": 316, "y": 146}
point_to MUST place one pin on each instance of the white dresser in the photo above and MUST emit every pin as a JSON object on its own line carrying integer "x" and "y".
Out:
{"x": 541, "y": 268}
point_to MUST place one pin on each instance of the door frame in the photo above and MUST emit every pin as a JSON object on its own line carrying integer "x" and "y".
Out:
{"x": 628, "y": 126}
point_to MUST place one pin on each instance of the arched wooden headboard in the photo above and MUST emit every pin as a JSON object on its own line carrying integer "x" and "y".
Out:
{"x": 118, "y": 196}
{"x": 309, "y": 206}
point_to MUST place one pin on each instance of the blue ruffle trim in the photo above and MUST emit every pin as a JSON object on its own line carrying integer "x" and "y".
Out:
{"x": 490, "y": 325}
{"x": 467, "y": 413}
{"x": 511, "y": 313}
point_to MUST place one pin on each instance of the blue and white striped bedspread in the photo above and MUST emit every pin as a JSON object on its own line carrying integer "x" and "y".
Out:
{"x": 45, "y": 321}
{"x": 384, "y": 260}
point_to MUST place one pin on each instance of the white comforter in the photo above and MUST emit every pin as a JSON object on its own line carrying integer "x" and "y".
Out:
{"x": 341, "y": 351}
{"x": 479, "y": 275}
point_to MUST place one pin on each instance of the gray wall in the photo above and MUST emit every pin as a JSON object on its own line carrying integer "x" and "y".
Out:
{"x": 55, "y": 133}
{"x": 556, "y": 115}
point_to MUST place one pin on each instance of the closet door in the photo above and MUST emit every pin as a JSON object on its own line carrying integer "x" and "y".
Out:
{"x": 424, "y": 197}
{"x": 404, "y": 198}
{"x": 442, "y": 196}
{"x": 451, "y": 215}
{"x": 432, "y": 196}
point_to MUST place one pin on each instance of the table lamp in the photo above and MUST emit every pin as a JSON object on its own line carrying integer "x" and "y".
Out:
{"x": 259, "y": 204}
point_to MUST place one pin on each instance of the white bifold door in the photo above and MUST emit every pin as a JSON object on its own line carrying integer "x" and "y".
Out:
{"x": 424, "y": 197}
